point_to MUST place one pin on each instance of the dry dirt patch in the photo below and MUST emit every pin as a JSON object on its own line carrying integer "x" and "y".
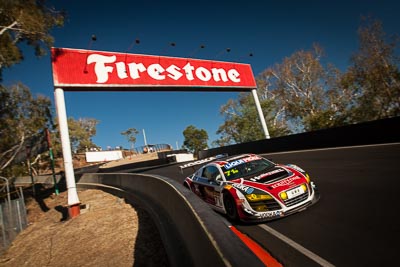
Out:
{"x": 108, "y": 232}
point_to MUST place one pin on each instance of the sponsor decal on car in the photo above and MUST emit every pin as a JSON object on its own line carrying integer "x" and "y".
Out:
{"x": 269, "y": 214}
{"x": 245, "y": 188}
{"x": 285, "y": 182}
{"x": 240, "y": 161}
{"x": 233, "y": 164}
{"x": 259, "y": 177}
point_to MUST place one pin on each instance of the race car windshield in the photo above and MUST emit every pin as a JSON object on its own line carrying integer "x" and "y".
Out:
{"x": 241, "y": 169}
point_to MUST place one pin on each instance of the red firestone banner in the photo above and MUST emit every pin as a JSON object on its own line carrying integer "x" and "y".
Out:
{"x": 87, "y": 70}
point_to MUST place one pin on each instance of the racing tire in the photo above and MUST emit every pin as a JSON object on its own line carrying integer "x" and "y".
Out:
{"x": 230, "y": 207}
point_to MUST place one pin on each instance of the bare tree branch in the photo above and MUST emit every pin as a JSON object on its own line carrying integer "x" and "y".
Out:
{"x": 15, "y": 153}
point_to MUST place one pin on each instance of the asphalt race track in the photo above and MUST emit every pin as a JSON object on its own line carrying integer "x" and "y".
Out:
{"x": 355, "y": 223}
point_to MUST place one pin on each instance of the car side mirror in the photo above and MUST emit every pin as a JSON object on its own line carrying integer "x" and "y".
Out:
{"x": 218, "y": 179}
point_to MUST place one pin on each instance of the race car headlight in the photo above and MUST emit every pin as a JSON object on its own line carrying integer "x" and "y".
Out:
{"x": 304, "y": 187}
{"x": 308, "y": 178}
{"x": 283, "y": 195}
{"x": 258, "y": 197}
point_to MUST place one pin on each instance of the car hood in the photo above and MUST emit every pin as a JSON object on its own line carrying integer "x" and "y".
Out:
{"x": 273, "y": 181}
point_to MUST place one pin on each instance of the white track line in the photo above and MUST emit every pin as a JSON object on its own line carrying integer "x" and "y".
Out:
{"x": 297, "y": 246}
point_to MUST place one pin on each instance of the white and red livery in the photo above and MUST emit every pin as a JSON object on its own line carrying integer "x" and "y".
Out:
{"x": 250, "y": 188}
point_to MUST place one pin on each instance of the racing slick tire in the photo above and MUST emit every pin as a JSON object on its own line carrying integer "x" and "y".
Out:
{"x": 230, "y": 207}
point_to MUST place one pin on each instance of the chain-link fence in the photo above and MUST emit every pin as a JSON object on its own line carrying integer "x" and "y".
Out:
{"x": 13, "y": 217}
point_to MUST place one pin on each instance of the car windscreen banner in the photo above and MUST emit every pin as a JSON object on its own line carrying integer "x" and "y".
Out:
{"x": 88, "y": 70}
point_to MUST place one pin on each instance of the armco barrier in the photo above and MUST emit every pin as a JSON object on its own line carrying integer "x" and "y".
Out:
{"x": 374, "y": 132}
{"x": 192, "y": 233}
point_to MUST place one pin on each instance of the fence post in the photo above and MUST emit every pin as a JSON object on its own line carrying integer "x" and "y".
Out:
{"x": 3, "y": 230}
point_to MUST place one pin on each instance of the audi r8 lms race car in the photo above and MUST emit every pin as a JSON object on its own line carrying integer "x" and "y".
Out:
{"x": 251, "y": 188}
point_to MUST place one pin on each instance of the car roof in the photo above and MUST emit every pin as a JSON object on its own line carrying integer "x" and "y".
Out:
{"x": 231, "y": 158}
{"x": 215, "y": 160}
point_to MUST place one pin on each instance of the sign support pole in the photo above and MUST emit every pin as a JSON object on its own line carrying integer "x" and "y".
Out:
{"x": 73, "y": 200}
{"x": 260, "y": 113}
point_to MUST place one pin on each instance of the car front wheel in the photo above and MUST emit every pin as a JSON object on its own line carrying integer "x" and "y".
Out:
{"x": 230, "y": 207}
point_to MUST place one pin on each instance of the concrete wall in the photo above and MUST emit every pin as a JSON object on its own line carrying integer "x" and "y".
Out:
{"x": 103, "y": 156}
{"x": 374, "y": 132}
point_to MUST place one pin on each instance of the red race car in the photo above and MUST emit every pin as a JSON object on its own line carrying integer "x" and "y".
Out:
{"x": 250, "y": 188}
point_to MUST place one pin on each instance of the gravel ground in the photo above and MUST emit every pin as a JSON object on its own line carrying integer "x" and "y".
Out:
{"x": 108, "y": 232}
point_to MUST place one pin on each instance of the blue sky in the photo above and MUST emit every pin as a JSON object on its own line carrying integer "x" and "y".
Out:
{"x": 270, "y": 30}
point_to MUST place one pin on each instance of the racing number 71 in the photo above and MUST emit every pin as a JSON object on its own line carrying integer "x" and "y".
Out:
{"x": 229, "y": 172}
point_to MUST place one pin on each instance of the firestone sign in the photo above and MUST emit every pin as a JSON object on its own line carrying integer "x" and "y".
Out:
{"x": 75, "y": 69}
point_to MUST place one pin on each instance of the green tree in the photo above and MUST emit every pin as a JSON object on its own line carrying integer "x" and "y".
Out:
{"x": 131, "y": 136}
{"x": 195, "y": 139}
{"x": 28, "y": 21}
{"x": 81, "y": 132}
{"x": 306, "y": 91}
{"x": 242, "y": 123}
{"x": 22, "y": 117}
{"x": 374, "y": 76}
